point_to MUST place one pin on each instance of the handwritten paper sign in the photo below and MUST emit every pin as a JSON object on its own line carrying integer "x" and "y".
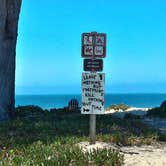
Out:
{"x": 93, "y": 93}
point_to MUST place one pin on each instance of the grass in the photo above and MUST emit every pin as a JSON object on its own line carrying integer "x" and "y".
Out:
{"x": 40, "y": 137}
{"x": 57, "y": 153}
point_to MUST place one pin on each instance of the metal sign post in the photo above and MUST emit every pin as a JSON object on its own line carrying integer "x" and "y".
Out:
{"x": 93, "y": 49}
{"x": 92, "y": 128}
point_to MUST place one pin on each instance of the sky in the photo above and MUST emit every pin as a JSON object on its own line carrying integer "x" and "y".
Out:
{"x": 49, "y": 45}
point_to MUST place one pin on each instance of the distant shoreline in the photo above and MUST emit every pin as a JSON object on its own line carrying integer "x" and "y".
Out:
{"x": 47, "y": 101}
{"x": 135, "y": 93}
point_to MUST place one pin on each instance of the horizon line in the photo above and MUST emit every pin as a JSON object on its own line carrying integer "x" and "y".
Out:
{"x": 114, "y": 93}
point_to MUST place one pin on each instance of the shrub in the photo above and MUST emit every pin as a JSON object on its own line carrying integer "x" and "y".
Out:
{"x": 60, "y": 154}
{"x": 49, "y": 139}
{"x": 163, "y": 106}
{"x": 158, "y": 111}
{"x": 131, "y": 116}
{"x": 22, "y": 111}
{"x": 119, "y": 106}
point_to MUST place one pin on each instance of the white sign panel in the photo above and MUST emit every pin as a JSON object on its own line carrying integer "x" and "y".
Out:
{"x": 93, "y": 93}
{"x": 99, "y": 50}
{"x": 88, "y": 40}
{"x": 88, "y": 50}
{"x": 100, "y": 40}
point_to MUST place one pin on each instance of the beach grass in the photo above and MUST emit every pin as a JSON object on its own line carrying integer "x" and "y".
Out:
{"x": 42, "y": 137}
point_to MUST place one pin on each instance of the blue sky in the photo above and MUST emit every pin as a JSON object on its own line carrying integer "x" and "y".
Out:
{"x": 49, "y": 45}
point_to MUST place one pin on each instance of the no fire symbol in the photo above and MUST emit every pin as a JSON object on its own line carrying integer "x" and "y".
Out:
{"x": 100, "y": 40}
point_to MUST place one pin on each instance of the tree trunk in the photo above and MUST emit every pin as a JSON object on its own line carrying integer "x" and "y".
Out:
{"x": 9, "y": 16}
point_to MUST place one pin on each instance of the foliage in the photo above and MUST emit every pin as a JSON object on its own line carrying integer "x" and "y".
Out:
{"x": 61, "y": 154}
{"x": 163, "y": 105}
{"x": 41, "y": 137}
{"x": 158, "y": 111}
{"x": 131, "y": 116}
{"x": 29, "y": 111}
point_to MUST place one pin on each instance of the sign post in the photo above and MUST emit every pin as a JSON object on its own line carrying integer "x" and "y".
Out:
{"x": 93, "y": 49}
{"x": 92, "y": 128}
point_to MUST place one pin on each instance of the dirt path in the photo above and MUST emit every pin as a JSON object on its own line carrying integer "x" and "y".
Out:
{"x": 147, "y": 155}
{"x": 134, "y": 155}
{"x": 144, "y": 155}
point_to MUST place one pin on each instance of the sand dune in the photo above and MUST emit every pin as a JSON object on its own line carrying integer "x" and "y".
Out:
{"x": 133, "y": 110}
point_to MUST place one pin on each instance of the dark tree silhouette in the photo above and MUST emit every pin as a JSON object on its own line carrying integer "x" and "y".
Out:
{"x": 9, "y": 16}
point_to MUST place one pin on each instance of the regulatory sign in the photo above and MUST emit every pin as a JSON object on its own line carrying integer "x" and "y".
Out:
{"x": 93, "y": 65}
{"x": 100, "y": 39}
{"x": 93, "y": 93}
{"x": 87, "y": 39}
{"x": 93, "y": 45}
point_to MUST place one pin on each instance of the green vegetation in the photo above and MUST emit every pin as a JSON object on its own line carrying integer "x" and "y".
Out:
{"x": 60, "y": 154}
{"x": 158, "y": 111}
{"x": 42, "y": 137}
{"x": 131, "y": 116}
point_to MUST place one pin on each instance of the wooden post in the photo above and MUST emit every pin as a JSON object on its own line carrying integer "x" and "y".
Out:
{"x": 92, "y": 128}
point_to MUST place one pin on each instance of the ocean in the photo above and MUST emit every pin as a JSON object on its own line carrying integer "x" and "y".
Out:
{"x": 60, "y": 101}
